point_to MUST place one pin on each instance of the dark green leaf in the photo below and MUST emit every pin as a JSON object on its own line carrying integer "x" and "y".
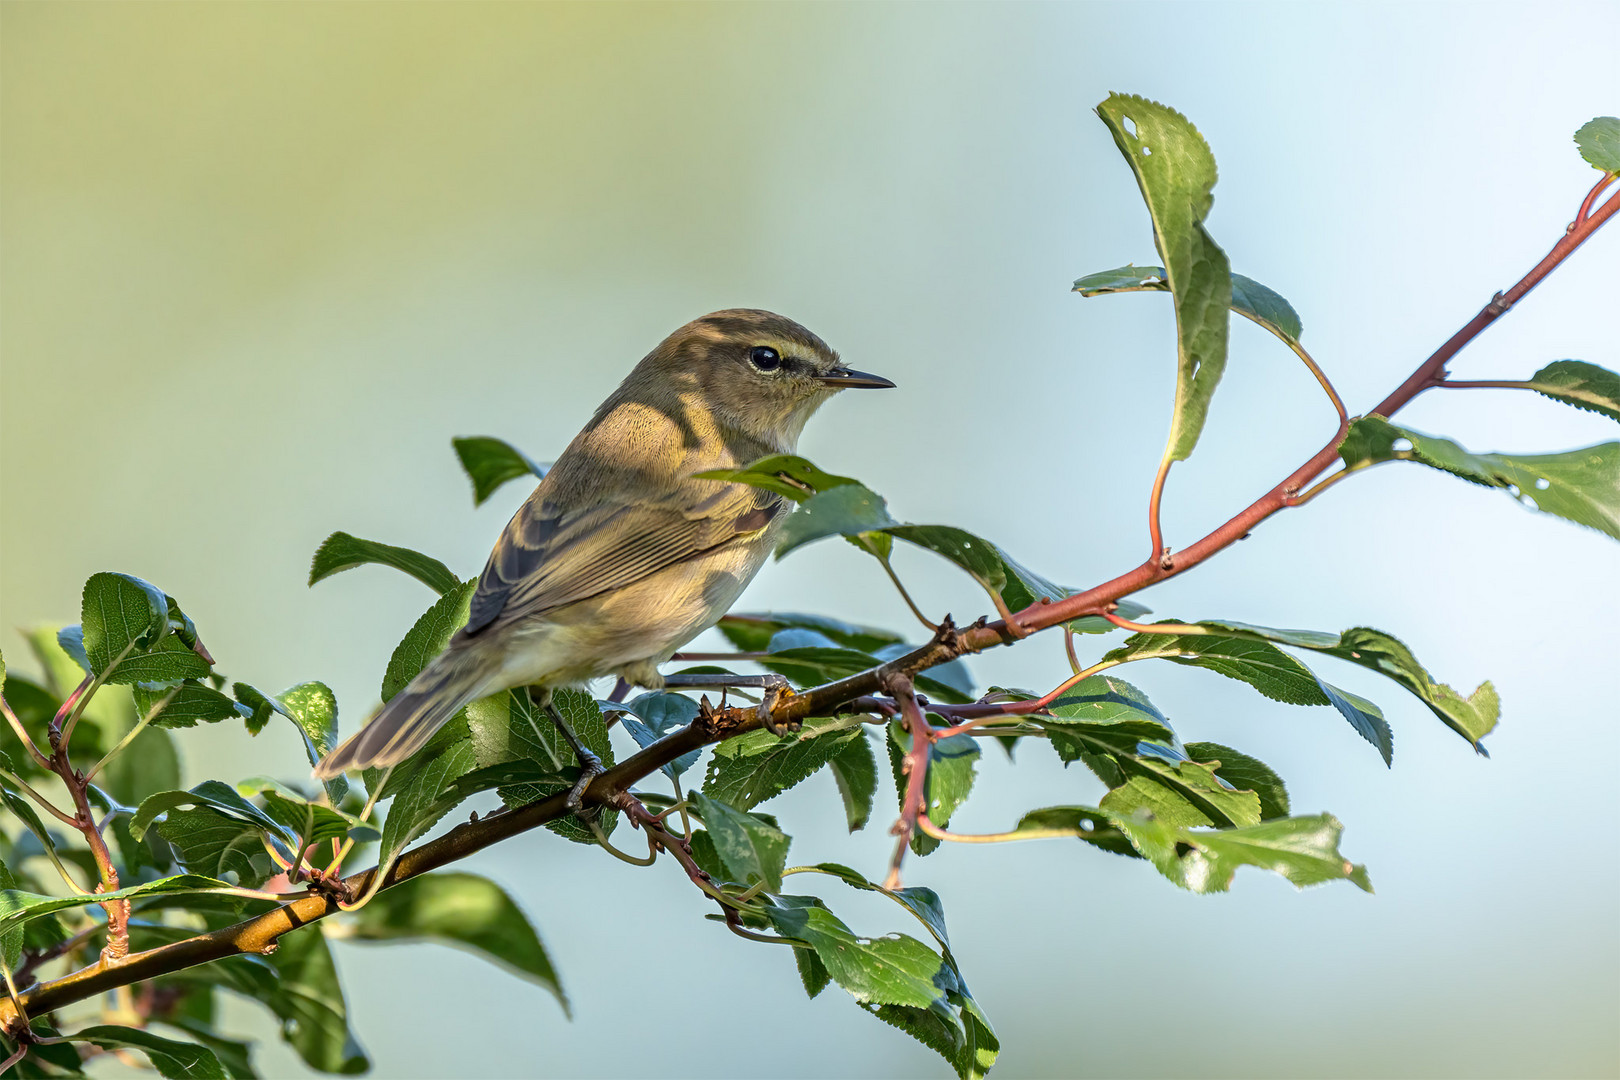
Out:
{"x": 512, "y": 726}
{"x": 463, "y": 910}
{"x": 1176, "y": 173}
{"x": 952, "y": 766}
{"x": 207, "y": 842}
{"x": 1582, "y": 485}
{"x": 1472, "y": 717}
{"x": 236, "y": 1056}
{"x": 1249, "y": 298}
{"x": 1103, "y": 716}
{"x": 751, "y": 848}
{"x": 1305, "y": 850}
{"x": 1599, "y": 142}
{"x": 753, "y": 633}
{"x": 125, "y": 613}
{"x": 1000, "y": 575}
{"x": 812, "y": 972}
{"x": 1184, "y": 794}
{"x": 652, "y": 716}
{"x": 785, "y": 474}
{"x": 840, "y": 511}
{"x": 427, "y": 638}
{"x": 341, "y": 551}
{"x": 421, "y": 800}
{"x": 895, "y": 970}
{"x": 309, "y": 1000}
{"x": 171, "y": 1059}
{"x": 1242, "y": 771}
{"x": 182, "y": 706}
{"x": 1585, "y": 386}
{"x": 489, "y": 463}
{"x": 752, "y": 768}
{"x": 18, "y": 907}
{"x": 213, "y": 795}
{"x": 855, "y": 769}
{"x": 1082, "y": 822}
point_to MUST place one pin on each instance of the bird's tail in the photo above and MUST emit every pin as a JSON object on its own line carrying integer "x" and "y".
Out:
{"x": 410, "y": 718}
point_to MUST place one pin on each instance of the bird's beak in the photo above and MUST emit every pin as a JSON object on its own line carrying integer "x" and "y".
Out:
{"x": 843, "y": 378}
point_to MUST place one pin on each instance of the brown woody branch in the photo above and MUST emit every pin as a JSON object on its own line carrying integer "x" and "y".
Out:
{"x": 259, "y": 934}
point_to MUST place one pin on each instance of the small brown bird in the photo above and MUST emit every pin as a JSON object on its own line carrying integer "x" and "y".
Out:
{"x": 621, "y": 556}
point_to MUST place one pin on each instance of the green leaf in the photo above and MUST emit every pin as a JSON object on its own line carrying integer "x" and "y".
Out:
{"x": 1242, "y": 771}
{"x": 421, "y": 800}
{"x": 463, "y": 910}
{"x": 812, "y": 972}
{"x": 1006, "y": 580}
{"x": 1582, "y": 485}
{"x": 1472, "y": 717}
{"x": 191, "y": 703}
{"x": 1585, "y": 386}
{"x": 11, "y": 942}
{"x": 511, "y": 726}
{"x": 341, "y": 551}
{"x": 490, "y": 462}
{"x": 312, "y": 707}
{"x": 753, "y": 633}
{"x": 840, "y": 511}
{"x": 125, "y": 613}
{"x": 895, "y": 970}
{"x": 1249, "y": 298}
{"x": 171, "y": 1058}
{"x": 1599, "y": 142}
{"x": 650, "y": 717}
{"x": 1305, "y": 850}
{"x": 1176, "y": 173}
{"x": 311, "y": 822}
{"x": 855, "y": 769}
{"x": 205, "y": 841}
{"x": 952, "y": 766}
{"x": 212, "y": 795}
{"x": 1102, "y": 716}
{"x": 1086, "y": 823}
{"x": 427, "y": 638}
{"x": 235, "y": 1055}
{"x": 785, "y": 474}
{"x": 18, "y": 907}
{"x": 1185, "y": 794}
{"x": 1248, "y": 656}
{"x": 309, "y": 1001}
{"x": 752, "y": 768}
{"x": 751, "y": 848}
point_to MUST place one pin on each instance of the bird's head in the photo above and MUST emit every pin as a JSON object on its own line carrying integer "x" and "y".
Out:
{"x": 756, "y": 372}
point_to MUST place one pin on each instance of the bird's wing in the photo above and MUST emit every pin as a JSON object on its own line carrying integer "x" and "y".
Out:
{"x": 550, "y": 556}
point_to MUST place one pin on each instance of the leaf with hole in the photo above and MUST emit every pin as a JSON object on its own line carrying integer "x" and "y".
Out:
{"x": 1582, "y": 485}
{"x": 1304, "y": 850}
{"x": 490, "y": 463}
{"x": 1176, "y": 173}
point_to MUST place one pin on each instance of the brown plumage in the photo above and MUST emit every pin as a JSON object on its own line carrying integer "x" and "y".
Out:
{"x": 621, "y": 556}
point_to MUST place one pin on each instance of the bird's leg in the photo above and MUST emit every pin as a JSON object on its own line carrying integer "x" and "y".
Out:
{"x": 590, "y": 766}
{"x": 774, "y": 686}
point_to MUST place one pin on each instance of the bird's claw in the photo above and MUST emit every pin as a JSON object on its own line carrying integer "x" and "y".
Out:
{"x": 774, "y": 692}
{"x": 590, "y": 767}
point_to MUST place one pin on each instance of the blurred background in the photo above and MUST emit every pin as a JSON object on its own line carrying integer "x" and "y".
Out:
{"x": 262, "y": 261}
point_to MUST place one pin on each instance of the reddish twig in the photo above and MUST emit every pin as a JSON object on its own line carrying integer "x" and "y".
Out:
{"x": 915, "y": 767}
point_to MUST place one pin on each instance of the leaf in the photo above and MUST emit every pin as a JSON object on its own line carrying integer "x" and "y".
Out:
{"x": 1086, "y": 823}
{"x": 1599, "y": 142}
{"x": 1184, "y": 794}
{"x": 490, "y": 463}
{"x": 1249, "y": 298}
{"x": 896, "y": 970}
{"x": 923, "y": 903}
{"x": 1472, "y": 717}
{"x": 512, "y": 726}
{"x": 1006, "y": 580}
{"x": 1305, "y": 850}
{"x": 427, "y": 638}
{"x": 1249, "y": 657}
{"x": 341, "y": 551}
{"x": 839, "y": 511}
{"x": 952, "y": 765}
{"x": 235, "y": 1056}
{"x": 210, "y": 794}
{"x": 751, "y": 848}
{"x": 191, "y": 703}
{"x": 1585, "y": 386}
{"x": 785, "y": 474}
{"x": 1242, "y": 771}
{"x": 312, "y": 707}
{"x": 310, "y": 822}
{"x": 750, "y": 769}
{"x": 420, "y": 801}
{"x": 812, "y": 972}
{"x": 1582, "y": 485}
{"x": 123, "y": 612}
{"x": 650, "y": 717}
{"x": 1102, "y": 715}
{"x": 11, "y": 942}
{"x": 463, "y": 910}
{"x": 1176, "y": 173}
{"x": 308, "y": 999}
{"x": 855, "y": 770}
{"x": 18, "y": 907}
{"x": 207, "y": 842}
{"x": 171, "y": 1058}
{"x": 753, "y": 633}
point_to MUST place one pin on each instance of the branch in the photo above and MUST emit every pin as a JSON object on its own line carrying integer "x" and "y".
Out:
{"x": 850, "y": 694}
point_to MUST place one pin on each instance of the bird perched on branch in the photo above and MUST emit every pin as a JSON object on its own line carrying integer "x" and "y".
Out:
{"x": 621, "y": 556}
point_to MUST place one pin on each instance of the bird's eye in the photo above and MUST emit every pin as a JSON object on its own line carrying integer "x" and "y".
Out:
{"x": 765, "y": 358}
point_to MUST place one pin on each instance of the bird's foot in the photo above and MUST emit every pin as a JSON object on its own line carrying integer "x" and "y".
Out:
{"x": 590, "y": 767}
{"x": 775, "y": 691}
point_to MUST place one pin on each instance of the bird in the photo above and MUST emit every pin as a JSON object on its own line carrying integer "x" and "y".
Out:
{"x": 622, "y": 555}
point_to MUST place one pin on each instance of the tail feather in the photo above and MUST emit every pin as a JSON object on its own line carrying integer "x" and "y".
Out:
{"x": 412, "y": 716}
